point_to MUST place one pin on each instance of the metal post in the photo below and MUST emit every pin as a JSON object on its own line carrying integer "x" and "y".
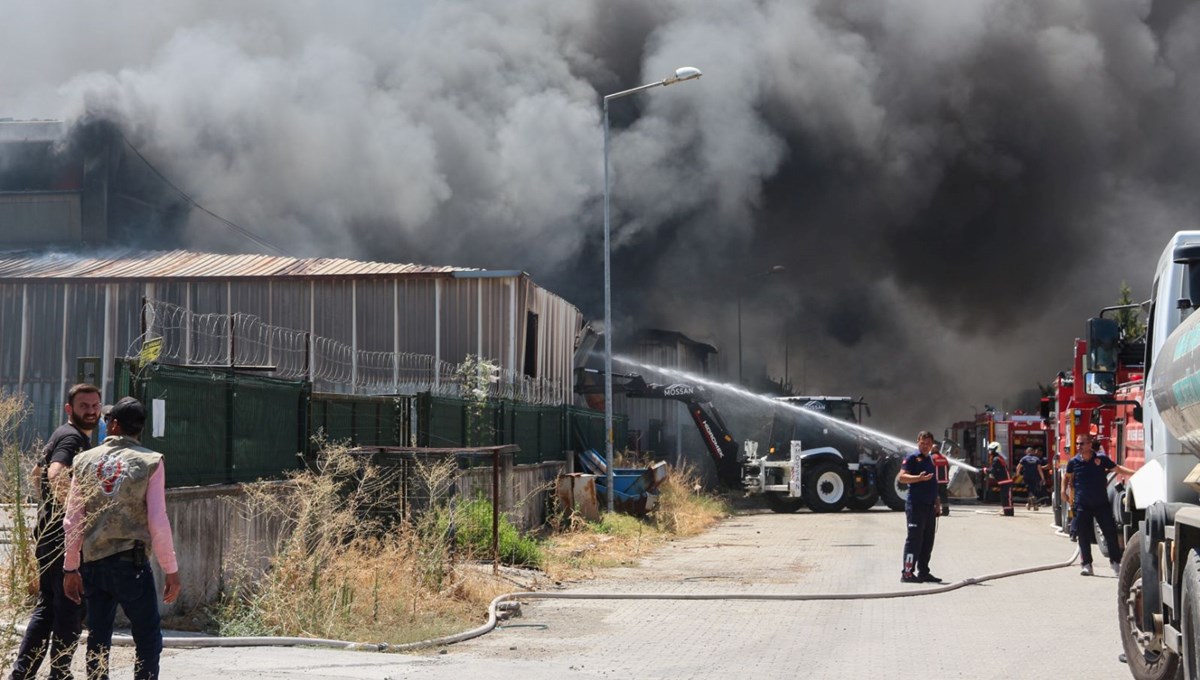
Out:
{"x": 496, "y": 511}
{"x": 608, "y": 329}
{"x": 681, "y": 74}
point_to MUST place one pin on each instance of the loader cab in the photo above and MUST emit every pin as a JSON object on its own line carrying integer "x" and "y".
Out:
{"x": 843, "y": 408}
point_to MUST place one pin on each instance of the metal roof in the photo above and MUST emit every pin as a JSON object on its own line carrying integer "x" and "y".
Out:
{"x": 31, "y": 130}
{"x": 128, "y": 265}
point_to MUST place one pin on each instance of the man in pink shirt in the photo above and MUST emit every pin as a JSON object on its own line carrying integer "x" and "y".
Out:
{"x": 116, "y": 510}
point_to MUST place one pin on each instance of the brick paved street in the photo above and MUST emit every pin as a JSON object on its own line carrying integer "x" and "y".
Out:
{"x": 1050, "y": 624}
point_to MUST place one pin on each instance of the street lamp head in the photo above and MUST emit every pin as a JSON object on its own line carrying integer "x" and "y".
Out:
{"x": 683, "y": 73}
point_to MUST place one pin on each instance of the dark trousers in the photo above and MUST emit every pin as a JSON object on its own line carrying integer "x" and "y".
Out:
{"x": 1086, "y": 529}
{"x": 918, "y": 546}
{"x": 55, "y": 622}
{"x": 107, "y": 583}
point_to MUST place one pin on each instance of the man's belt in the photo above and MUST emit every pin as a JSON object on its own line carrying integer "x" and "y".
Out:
{"x": 136, "y": 555}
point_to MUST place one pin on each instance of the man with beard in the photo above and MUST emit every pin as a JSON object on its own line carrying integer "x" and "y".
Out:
{"x": 56, "y": 620}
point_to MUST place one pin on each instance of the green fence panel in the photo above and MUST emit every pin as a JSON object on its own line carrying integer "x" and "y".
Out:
{"x": 219, "y": 426}
{"x": 194, "y": 435}
{"x": 361, "y": 421}
{"x": 446, "y": 423}
{"x": 269, "y": 428}
{"x": 524, "y": 421}
{"x": 586, "y": 428}
{"x": 550, "y": 433}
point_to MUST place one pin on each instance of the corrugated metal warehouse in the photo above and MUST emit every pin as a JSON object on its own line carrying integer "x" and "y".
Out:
{"x": 361, "y": 327}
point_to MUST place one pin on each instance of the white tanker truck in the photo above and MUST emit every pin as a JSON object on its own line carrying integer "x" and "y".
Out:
{"x": 1158, "y": 602}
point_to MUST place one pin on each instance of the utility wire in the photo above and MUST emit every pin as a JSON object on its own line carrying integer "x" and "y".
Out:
{"x": 191, "y": 201}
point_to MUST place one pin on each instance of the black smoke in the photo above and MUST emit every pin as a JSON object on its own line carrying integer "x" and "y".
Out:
{"x": 953, "y": 188}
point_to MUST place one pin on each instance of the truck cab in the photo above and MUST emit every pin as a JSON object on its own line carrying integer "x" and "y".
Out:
{"x": 1159, "y": 577}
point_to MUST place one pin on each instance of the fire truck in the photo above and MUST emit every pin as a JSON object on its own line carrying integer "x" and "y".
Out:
{"x": 1072, "y": 410}
{"x": 1015, "y": 431}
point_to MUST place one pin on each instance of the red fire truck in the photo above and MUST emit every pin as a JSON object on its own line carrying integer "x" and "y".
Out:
{"x": 1072, "y": 411}
{"x": 1015, "y": 432}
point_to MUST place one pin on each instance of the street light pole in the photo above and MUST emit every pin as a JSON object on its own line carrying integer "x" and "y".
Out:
{"x": 681, "y": 74}
{"x": 776, "y": 269}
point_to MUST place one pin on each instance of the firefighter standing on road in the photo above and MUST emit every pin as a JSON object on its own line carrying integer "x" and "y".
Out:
{"x": 1031, "y": 473}
{"x": 998, "y": 470}
{"x": 921, "y": 510}
{"x": 1085, "y": 486}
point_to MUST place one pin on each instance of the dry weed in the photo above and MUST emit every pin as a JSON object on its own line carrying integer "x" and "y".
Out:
{"x": 577, "y": 548}
{"x": 364, "y": 555}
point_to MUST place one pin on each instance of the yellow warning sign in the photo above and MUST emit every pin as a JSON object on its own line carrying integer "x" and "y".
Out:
{"x": 151, "y": 349}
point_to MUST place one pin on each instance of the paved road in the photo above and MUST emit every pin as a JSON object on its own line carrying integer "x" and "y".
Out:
{"x": 1050, "y": 624}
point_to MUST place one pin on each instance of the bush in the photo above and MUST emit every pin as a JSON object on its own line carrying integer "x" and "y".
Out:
{"x": 473, "y": 535}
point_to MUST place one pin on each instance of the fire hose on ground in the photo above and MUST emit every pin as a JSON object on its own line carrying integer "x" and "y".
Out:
{"x": 505, "y": 603}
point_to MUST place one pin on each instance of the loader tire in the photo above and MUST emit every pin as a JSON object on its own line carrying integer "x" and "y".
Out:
{"x": 782, "y": 503}
{"x": 827, "y": 487}
{"x": 863, "y": 502}
{"x": 1143, "y": 664}
{"x": 893, "y": 493}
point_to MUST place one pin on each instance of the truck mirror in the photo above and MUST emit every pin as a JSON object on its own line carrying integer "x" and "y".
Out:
{"x": 1137, "y": 413}
{"x": 1188, "y": 254}
{"x": 1100, "y": 383}
{"x": 1103, "y": 336}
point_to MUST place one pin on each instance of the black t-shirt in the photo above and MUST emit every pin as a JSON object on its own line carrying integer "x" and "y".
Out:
{"x": 62, "y": 447}
{"x": 1031, "y": 469}
{"x": 921, "y": 493}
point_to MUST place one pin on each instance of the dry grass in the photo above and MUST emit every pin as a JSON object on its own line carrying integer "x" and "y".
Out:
{"x": 346, "y": 568}
{"x": 577, "y": 548}
{"x": 19, "y": 566}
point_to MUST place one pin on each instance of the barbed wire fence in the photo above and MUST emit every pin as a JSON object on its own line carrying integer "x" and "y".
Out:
{"x": 245, "y": 341}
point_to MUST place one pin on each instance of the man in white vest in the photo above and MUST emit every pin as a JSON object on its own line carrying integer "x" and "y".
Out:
{"x": 116, "y": 512}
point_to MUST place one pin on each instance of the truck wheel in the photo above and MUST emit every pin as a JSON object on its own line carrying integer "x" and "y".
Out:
{"x": 1191, "y": 616}
{"x": 863, "y": 502}
{"x": 1143, "y": 663}
{"x": 827, "y": 487}
{"x": 782, "y": 503}
{"x": 894, "y": 493}
{"x": 1101, "y": 542}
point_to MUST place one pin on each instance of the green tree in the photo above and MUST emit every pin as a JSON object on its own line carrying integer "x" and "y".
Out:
{"x": 1129, "y": 319}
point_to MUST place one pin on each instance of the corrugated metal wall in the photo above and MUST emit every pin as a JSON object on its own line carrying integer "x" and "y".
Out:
{"x": 447, "y": 317}
{"x": 665, "y": 427}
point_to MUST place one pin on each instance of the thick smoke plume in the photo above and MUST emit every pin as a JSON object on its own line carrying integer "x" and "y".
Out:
{"x": 953, "y": 187}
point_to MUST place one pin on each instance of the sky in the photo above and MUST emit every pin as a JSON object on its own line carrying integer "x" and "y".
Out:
{"x": 952, "y": 188}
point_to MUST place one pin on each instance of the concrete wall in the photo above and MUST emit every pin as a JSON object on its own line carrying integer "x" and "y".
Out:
{"x": 214, "y": 536}
{"x": 525, "y": 496}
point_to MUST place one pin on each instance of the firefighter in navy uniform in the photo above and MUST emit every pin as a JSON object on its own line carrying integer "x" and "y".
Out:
{"x": 921, "y": 510}
{"x": 1085, "y": 486}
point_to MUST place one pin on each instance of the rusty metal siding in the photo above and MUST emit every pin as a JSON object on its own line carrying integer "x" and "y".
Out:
{"x": 130, "y": 265}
